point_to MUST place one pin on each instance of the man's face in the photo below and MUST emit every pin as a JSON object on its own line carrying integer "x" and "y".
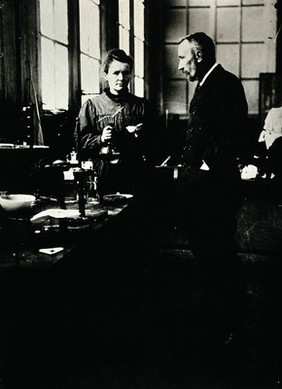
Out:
{"x": 118, "y": 76}
{"x": 187, "y": 60}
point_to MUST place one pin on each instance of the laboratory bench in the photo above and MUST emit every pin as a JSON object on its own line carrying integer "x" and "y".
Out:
{"x": 114, "y": 306}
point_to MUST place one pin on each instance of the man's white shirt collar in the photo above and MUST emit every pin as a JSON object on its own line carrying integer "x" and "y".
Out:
{"x": 204, "y": 165}
{"x": 208, "y": 73}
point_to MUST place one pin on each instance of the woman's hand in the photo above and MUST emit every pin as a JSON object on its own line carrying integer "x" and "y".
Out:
{"x": 107, "y": 133}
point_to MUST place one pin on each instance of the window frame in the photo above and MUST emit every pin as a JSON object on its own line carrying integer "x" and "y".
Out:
{"x": 132, "y": 38}
{"x": 55, "y": 41}
{"x": 109, "y": 38}
{"x": 85, "y": 93}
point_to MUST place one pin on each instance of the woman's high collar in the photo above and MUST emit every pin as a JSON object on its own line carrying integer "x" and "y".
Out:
{"x": 117, "y": 98}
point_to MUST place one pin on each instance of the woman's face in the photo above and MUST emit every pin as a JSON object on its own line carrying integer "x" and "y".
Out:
{"x": 118, "y": 76}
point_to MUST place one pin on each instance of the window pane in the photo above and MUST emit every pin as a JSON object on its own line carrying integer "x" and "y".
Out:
{"x": 139, "y": 19}
{"x": 90, "y": 69}
{"x": 54, "y": 75}
{"x": 139, "y": 86}
{"x": 48, "y": 76}
{"x": 124, "y": 39}
{"x": 53, "y": 19}
{"x": 228, "y": 56}
{"x": 123, "y": 9}
{"x": 46, "y": 18}
{"x": 95, "y": 33}
{"x": 61, "y": 77}
{"x": 253, "y": 21}
{"x": 200, "y": 20}
{"x": 252, "y": 94}
{"x": 176, "y": 25}
{"x": 256, "y": 2}
{"x": 89, "y": 28}
{"x": 175, "y": 96}
{"x": 171, "y": 61}
{"x": 228, "y": 2}
{"x": 61, "y": 20}
{"x": 228, "y": 24}
{"x": 139, "y": 57}
{"x": 54, "y": 56}
{"x": 252, "y": 59}
{"x": 200, "y": 3}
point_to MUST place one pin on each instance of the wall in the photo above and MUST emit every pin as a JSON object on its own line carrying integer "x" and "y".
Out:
{"x": 244, "y": 33}
{"x": 18, "y": 64}
{"x": 9, "y": 96}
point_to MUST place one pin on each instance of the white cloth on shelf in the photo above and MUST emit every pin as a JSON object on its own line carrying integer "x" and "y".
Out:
{"x": 272, "y": 127}
{"x": 249, "y": 172}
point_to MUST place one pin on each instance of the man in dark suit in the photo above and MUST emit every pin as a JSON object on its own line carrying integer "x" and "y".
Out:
{"x": 209, "y": 184}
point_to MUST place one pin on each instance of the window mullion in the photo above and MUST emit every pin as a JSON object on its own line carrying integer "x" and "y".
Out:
{"x": 74, "y": 56}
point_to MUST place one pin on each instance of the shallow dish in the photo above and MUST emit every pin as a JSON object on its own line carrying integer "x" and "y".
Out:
{"x": 16, "y": 202}
{"x": 7, "y": 146}
{"x": 117, "y": 198}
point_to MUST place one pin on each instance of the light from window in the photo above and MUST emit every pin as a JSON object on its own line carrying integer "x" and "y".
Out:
{"x": 54, "y": 75}
{"x": 139, "y": 57}
{"x": 90, "y": 71}
{"x": 54, "y": 53}
{"x": 89, "y": 28}
{"x": 61, "y": 22}
{"x": 90, "y": 47}
{"x": 47, "y": 19}
{"x": 138, "y": 21}
{"x": 124, "y": 39}
{"x": 124, "y": 25}
{"x": 124, "y": 13}
{"x": 139, "y": 86}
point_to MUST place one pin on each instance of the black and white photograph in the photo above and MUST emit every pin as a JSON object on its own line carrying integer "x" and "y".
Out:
{"x": 140, "y": 194}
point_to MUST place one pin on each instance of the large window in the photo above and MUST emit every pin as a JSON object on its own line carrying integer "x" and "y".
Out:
{"x": 55, "y": 51}
{"x": 72, "y": 44}
{"x": 89, "y": 47}
{"x": 139, "y": 38}
{"x": 132, "y": 38}
{"x": 243, "y": 32}
{"x": 124, "y": 25}
{"x": 54, "y": 54}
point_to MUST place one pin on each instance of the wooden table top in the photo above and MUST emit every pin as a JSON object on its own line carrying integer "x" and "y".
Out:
{"x": 22, "y": 239}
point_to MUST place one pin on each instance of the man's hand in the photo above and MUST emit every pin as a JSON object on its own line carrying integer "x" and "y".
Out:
{"x": 135, "y": 129}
